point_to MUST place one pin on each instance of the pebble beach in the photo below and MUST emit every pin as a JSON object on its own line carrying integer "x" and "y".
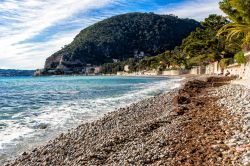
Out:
{"x": 235, "y": 99}
{"x": 201, "y": 123}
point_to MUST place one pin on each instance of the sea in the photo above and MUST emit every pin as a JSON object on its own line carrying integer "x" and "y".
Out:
{"x": 34, "y": 110}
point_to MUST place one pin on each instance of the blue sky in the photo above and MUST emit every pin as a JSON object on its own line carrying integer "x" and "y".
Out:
{"x": 31, "y": 30}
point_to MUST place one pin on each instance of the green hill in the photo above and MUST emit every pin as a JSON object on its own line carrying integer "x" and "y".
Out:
{"x": 119, "y": 37}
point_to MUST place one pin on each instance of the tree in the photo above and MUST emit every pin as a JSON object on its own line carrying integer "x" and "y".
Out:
{"x": 178, "y": 58}
{"x": 238, "y": 12}
{"x": 165, "y": 59}
{"x": 203, "y": 46}
{"x": 224, "y": 63}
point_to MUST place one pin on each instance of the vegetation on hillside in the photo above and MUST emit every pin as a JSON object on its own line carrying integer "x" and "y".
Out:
{"x": 201, "y": 47}
{"x": 217, "y": 39}
{"x": 163, "y": 38}
{"x": 120, "y": 36}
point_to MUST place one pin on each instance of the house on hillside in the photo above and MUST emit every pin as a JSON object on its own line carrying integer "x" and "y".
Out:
{"x": 126, "y": 68}
{"x": 89, "y": 69}
{"x": 139, "y": 54}
{"x": 116, "y": 60}
{"x": 98, "y": 70}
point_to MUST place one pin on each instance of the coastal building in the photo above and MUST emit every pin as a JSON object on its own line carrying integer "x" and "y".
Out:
{"x": 39, "y": 72}
{"x": 175, "y": 72}
{"x": 198, "y": 70}
{"x": 139, "y": 54}
{"x": 126, "y": 68}
{"x": 98, "y": 70}
{"x": 240, "y": 70}
{"x": 151, "y": 73}
{"x": 213, "y": 69}
{"x": 121, "y": 73}
{"x": 51, "y": 71}
{"x": 89, "y": 70}
{"x": 247, "y": 55}
{"x": 116, "y": 60}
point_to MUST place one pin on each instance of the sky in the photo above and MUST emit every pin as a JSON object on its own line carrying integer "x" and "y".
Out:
{"x": 32, "y": 30}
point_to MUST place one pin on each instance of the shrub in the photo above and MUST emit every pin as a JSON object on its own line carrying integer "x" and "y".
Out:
{"x": 224, "y": 63}
{"x": 240, "y": 58}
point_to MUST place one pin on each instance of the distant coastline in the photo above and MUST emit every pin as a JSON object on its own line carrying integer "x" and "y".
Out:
{"x": 13, "y": 72}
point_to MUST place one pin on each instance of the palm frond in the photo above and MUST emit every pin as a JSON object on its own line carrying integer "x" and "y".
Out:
{"x": 235, "y": 30}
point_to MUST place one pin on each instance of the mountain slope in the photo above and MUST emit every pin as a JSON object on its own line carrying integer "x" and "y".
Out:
{"x": 119, "y": 37}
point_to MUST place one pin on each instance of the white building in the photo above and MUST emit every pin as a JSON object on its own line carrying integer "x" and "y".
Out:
{"x": 116, "y": 60}
{"x": 139, "y": 55}
{"x": 98, "y": 69}
{"x": 126, "y": 68}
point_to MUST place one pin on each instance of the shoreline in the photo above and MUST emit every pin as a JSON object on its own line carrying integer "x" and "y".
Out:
{"x": 112, "y": 75}
{"x": 153, "y": 131}
{"x": 82, "y": 111}
{"x": 115, "y": 75}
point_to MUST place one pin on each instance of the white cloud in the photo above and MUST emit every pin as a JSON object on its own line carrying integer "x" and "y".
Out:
{"x": 23, "y": 20}
{"x": 33, "y": 55}
{"x": 196, "y": 9}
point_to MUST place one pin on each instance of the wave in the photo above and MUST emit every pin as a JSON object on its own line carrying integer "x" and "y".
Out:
{"x": 27, "y": 129}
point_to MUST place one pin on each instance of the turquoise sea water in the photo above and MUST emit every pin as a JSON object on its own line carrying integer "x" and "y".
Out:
{"x": 36, "y": 109}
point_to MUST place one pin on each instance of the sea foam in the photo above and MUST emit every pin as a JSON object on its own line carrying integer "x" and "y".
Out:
{"x": 69, "y": 107}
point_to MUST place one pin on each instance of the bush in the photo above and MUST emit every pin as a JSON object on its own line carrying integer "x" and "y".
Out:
{"x": 224, "y": 63}
{"x": 240, "y": 58}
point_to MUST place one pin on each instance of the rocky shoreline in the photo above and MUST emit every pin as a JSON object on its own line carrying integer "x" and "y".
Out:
{"x": 199, "y": 124}
{"x": 235, "y": 99}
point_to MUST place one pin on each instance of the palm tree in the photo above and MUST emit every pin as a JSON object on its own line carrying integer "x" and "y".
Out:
{"x": 237, "y": 30}
{"x": 238, "y": 12}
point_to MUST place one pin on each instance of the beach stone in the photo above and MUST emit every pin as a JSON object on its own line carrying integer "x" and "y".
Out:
{"x": 24, "y": 153}
{"x": 43, "y": 126}
{"x": 149, "y": 133}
